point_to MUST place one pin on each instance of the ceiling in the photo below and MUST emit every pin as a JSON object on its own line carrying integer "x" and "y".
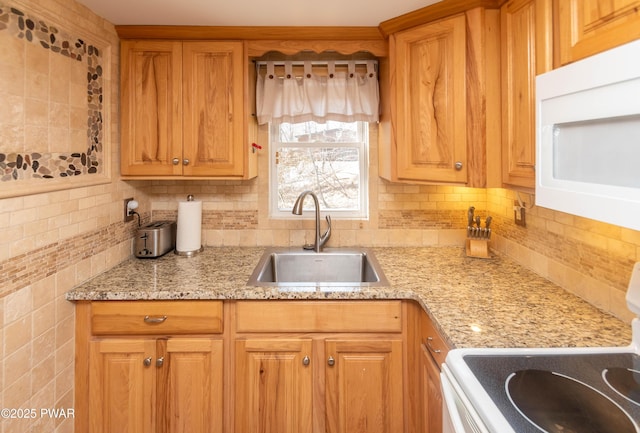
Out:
{"x": 253, "y": 12}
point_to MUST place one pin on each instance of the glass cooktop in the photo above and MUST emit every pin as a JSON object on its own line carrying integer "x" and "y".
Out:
{"x": 564, "y": 393}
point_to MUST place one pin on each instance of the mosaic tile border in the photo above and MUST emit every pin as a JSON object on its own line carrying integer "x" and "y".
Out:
{"x": 423, "y": 219}
{"x": 42, "y": 165}
{"x": 28, "y": 268}
{"x": 217, "y": 220}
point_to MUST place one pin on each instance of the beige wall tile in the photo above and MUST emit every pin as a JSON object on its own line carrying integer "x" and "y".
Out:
{"x": 17, "y": 305}
{"x": 17, "y": 334}
{"x": 17, "y": 392}
{"x": 17, "y": 364}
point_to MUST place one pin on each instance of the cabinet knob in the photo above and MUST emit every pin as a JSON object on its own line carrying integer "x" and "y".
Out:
{"x": 458, "y": 165}
{"x": 331, "y": 362}
{"x": 185, "y": 161}
{"x": 175, "y": 161}
{"x": 147, "y": 362}
{"x": 160, "y": 361}
{"x": 306, "y": 360}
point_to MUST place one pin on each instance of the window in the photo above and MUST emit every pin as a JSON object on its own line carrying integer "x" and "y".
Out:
{"x": 329, "y": 159}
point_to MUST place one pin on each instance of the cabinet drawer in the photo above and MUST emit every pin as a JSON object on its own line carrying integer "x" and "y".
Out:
{"x": 434, "y": 342}
{"x": 319, "y": 316}
{"x": 156, "y": 317}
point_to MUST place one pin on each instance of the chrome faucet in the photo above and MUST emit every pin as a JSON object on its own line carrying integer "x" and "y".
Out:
{"x": 320, "y": 239}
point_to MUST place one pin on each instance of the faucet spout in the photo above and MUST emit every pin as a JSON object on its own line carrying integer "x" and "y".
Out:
{"x": 320, "y": 240}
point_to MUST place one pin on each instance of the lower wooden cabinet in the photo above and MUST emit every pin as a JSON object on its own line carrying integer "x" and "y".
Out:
{"x": 319, "y": 367}
{"x": 345, "y": 385}
{"x": 431, "y": 394}
{"x": 433, "y": 350}
{"x": 140, "y": 368}
{"x": 155, "y": 385}
{"x": 149, "y": 367}
{"x": 364, "y": 387}
{"x": 273, "y": 385}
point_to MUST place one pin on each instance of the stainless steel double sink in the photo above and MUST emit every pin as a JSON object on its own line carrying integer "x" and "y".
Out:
{"x": 332, "y": 266}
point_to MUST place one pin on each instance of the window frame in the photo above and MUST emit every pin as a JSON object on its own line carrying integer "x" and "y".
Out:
{"x": 363, "y": 147}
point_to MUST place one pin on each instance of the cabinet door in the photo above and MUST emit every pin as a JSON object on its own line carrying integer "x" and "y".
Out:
{"x": 430, "y": 116}
{"x": 189, "y": 385}
{"x": 587, "y": 27}
{"x": 526, "y": 51}
{"x": 364, "y": 386}
{"x": 431, "y": 394}
{"x": 213, "y": 136}
{"x": 122, "y": 386}
{"x": 151, "y": 107}
{"x": 273, "y": 386}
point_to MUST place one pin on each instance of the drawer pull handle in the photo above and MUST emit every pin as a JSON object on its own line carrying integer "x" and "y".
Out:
{"x": 431, "y": 348}
{"x": 160, "y": 361}
{"x": 306, "y": 361}
{"x": 331, "y": 361}
{"x": 154, "y": 319}
{"x": 147, "y": 362}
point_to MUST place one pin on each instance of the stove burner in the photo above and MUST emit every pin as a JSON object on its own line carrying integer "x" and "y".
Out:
{"x": 625, "y": 382}
{"x": 555, "y": 403}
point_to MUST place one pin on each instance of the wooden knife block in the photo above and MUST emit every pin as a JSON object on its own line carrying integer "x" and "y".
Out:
{"x": 478, "y": 248}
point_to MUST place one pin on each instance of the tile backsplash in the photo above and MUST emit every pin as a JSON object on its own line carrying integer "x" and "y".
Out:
{"x": 52, "y": 125}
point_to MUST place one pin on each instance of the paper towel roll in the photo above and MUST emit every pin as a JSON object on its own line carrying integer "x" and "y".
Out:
{"x": 189, "y": 232}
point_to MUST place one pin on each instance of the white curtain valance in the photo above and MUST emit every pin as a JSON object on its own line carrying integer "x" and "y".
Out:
{"x": 343, "y": 96}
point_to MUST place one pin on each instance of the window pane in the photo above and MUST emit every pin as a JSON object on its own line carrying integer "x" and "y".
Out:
{"x": 312, "y": 132}
{"x": 332, "y": 173}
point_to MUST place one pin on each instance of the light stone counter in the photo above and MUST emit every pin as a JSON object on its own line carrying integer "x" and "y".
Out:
{"x": 510, "y": 305}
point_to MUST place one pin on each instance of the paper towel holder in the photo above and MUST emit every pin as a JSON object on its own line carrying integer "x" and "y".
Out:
{"x": 189, "y": 253}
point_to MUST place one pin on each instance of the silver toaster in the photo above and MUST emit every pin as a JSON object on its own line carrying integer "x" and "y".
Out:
{"x": 155, "y": 239}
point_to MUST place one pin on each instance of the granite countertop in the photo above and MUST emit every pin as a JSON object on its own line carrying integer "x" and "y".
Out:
{"x": 506, "y": 304}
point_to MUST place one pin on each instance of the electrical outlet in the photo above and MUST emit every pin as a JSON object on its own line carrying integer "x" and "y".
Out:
{"x": 127, "y": 216}
{"x": 519, "y": 214}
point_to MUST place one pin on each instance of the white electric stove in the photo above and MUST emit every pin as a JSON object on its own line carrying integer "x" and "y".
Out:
{"x": 554, "y": 390}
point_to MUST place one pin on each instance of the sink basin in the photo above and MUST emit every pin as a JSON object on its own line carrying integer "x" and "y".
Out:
{"x": 338, "y": 266}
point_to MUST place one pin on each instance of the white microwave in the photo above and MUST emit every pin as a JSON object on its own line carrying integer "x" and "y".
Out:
{"x": 588, "y": 137}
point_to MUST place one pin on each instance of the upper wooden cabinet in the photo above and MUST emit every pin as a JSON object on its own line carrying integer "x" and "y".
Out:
{"x": 184, "y": 108}
{"x": 439, "y": 110}
{"x": 429, "y": 122}
{"x": 588, "y": 27}
{"x": 526, "y": 41}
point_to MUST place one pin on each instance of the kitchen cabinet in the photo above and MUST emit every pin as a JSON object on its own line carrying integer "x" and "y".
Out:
{"x": 273, "y": 385}
{"x": 184, "y": 110}
{"x": 163, "y": 385}
{"x": 526, "y": 39}
{"x": 440, "y": 101}
{"x": 144, "y": 374}
{"x": 429, "y": 121}
{"x": 364, "y": 385}
{"x": 587, "y": 27}
{"x": 330, "y": 375}
{"x": 433, "y": 351}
